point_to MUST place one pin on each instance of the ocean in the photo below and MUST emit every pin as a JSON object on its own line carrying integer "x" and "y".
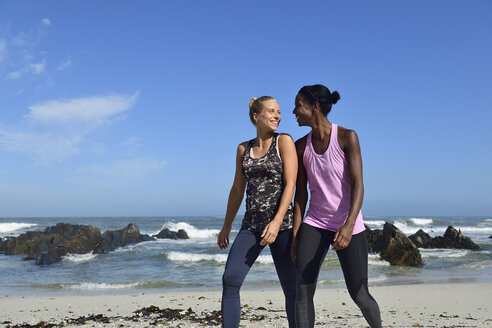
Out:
{"x": 197, "y": 263}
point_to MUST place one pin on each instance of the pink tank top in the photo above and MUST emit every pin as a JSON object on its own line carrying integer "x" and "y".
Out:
{"x": 330, "y": 186}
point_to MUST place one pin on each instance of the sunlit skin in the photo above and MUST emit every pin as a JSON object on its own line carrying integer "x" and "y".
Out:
{"x": 266, "y": 122}
{"x": 310, "y": 115}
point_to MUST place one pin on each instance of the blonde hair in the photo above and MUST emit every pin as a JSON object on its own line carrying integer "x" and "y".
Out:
{"x": 255, "y": 106}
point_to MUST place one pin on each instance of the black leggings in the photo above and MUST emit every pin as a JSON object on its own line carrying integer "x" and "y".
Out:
{"x": 313, "y": 244}
{"x": 244, "y": 251}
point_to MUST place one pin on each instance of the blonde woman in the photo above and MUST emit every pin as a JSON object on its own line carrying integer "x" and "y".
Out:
{"x": 266, "y": 167}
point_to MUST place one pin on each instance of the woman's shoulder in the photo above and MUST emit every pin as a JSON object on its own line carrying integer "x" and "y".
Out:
{"x": 347, "y": 137}
{"x": 242, "y": 146}
{"x": 284, "y": 137}
{"x": 301, "y": 144}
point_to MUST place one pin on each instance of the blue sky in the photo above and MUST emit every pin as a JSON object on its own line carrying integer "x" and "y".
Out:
{"x": 125, "y": 108}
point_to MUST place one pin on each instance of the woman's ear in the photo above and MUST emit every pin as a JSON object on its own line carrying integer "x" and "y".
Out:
{"x": 316, "y": 107}
{"x": 255, "y": 118}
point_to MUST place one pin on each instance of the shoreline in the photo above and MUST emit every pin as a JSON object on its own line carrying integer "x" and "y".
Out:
{"x": 430, "y": 305}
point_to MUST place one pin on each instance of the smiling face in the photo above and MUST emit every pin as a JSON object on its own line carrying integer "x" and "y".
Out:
{"x": 303, "y": 111}
{"x": 269, "y": 117}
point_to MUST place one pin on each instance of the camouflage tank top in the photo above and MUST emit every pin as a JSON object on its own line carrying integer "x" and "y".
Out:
{"x": 264, "y": 188}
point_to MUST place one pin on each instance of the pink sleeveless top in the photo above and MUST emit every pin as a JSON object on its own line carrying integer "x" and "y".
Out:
{"x": 330, "y": 186}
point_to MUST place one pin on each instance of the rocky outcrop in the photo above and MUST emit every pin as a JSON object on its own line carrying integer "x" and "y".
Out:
{"x": 452, "y": 239}
{"x": 422, "y": 239}
{"x": 50, "y": 245}
{"x": 112, "y": 239}
{"x": 394, "y": 246}
{"x": 169, "y": 234}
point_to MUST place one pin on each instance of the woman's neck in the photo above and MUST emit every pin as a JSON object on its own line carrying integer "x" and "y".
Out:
{"x": 321, "y": 128}
{"x": 263, "y": 138}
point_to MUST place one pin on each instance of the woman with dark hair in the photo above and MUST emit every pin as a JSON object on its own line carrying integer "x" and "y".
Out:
{"x": 329, "y": 158}
{"x": 267, "y": 165}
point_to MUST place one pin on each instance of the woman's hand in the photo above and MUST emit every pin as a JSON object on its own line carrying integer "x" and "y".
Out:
{"x": 270, "y": 233}
{"x": 223, "y": 237}
{"x": 343, "y": 237}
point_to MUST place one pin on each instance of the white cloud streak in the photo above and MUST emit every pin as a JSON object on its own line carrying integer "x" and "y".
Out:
{"x": 38, "y": 68}
{"x": 45, "y": 21}
{"x": 65, "y": 64}
{"x": 92, "y": 111}
{"x": 64, "y": 125}
{"x": 14, "y": 75}
{"x": 45, "y": 147}
{"x": 35, "y": 68}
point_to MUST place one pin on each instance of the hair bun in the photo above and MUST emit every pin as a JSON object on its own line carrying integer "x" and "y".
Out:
{"x": 335, "y": 97}
{"x": 250, "y": 104}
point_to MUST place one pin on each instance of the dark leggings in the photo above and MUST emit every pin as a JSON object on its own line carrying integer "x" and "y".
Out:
{"x": 244, "y": 251}
{"x": 313, "y": 244}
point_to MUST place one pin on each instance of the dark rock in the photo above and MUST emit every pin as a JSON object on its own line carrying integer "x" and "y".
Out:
{"x": 452, "y": 239}
{"x": 422, "y": 239}
{"x": 394, "y": 246}
{"x": 169, "y": 234}
{"x": 490, "y": 236}
{"x": 182, "y": 234}
{"x": 51, "y": 256}
{"x": 53, "y": 243}
{"x": 113, "y": 239}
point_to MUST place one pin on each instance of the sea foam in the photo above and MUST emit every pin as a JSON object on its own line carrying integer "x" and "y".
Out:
{"x": 94, "y": 286}
{"x": 221, "y": 258}
{"x": 191, "y": 230}
{"x": 421, "y": 221}
{"x": 14, "y": 226}
{"x": 79, "y": 257}
{"x": 443, "y": 252}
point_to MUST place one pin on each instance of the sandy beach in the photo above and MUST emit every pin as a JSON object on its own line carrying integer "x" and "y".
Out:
{"x": 439, "y": 305}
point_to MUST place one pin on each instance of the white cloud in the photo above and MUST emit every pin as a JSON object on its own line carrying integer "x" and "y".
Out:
{"x": 92, "y": 111}
{"x": 38, "y": 68}
{"x": 59, "y": 141}
{"x": 126, "y": 168}
{"x": 46, "y": 148}
{"x": 35, "y": 68}
{"x": 65, "y": 64}
{"x": 14, "y": 75}
{"x": 21, "y": 39}
{"x": 45, "y": 21}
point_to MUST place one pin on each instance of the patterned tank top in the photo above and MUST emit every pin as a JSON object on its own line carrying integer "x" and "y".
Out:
{"x": 264, "y": 189}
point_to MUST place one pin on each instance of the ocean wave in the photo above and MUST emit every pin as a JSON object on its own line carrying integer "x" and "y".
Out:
{"x": 406, "y": 229}
{"x": 443, "y": 253}
{"x": 221, "y": 258}
{"x": 331, "y": 282}
{"x": 378, "y": 278}
{"x": 421, "y": 221}
{"x": 95, "y": 286}
{"x": 79, "y": 257}
{"x": 191, "y": 230}
{"x": 14, "y": 226}
{"x": 375, "y": 259}
{"x": 102, "y": 286}
{"x": 485, "y": 230}
{"x": 374, "y": 222}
